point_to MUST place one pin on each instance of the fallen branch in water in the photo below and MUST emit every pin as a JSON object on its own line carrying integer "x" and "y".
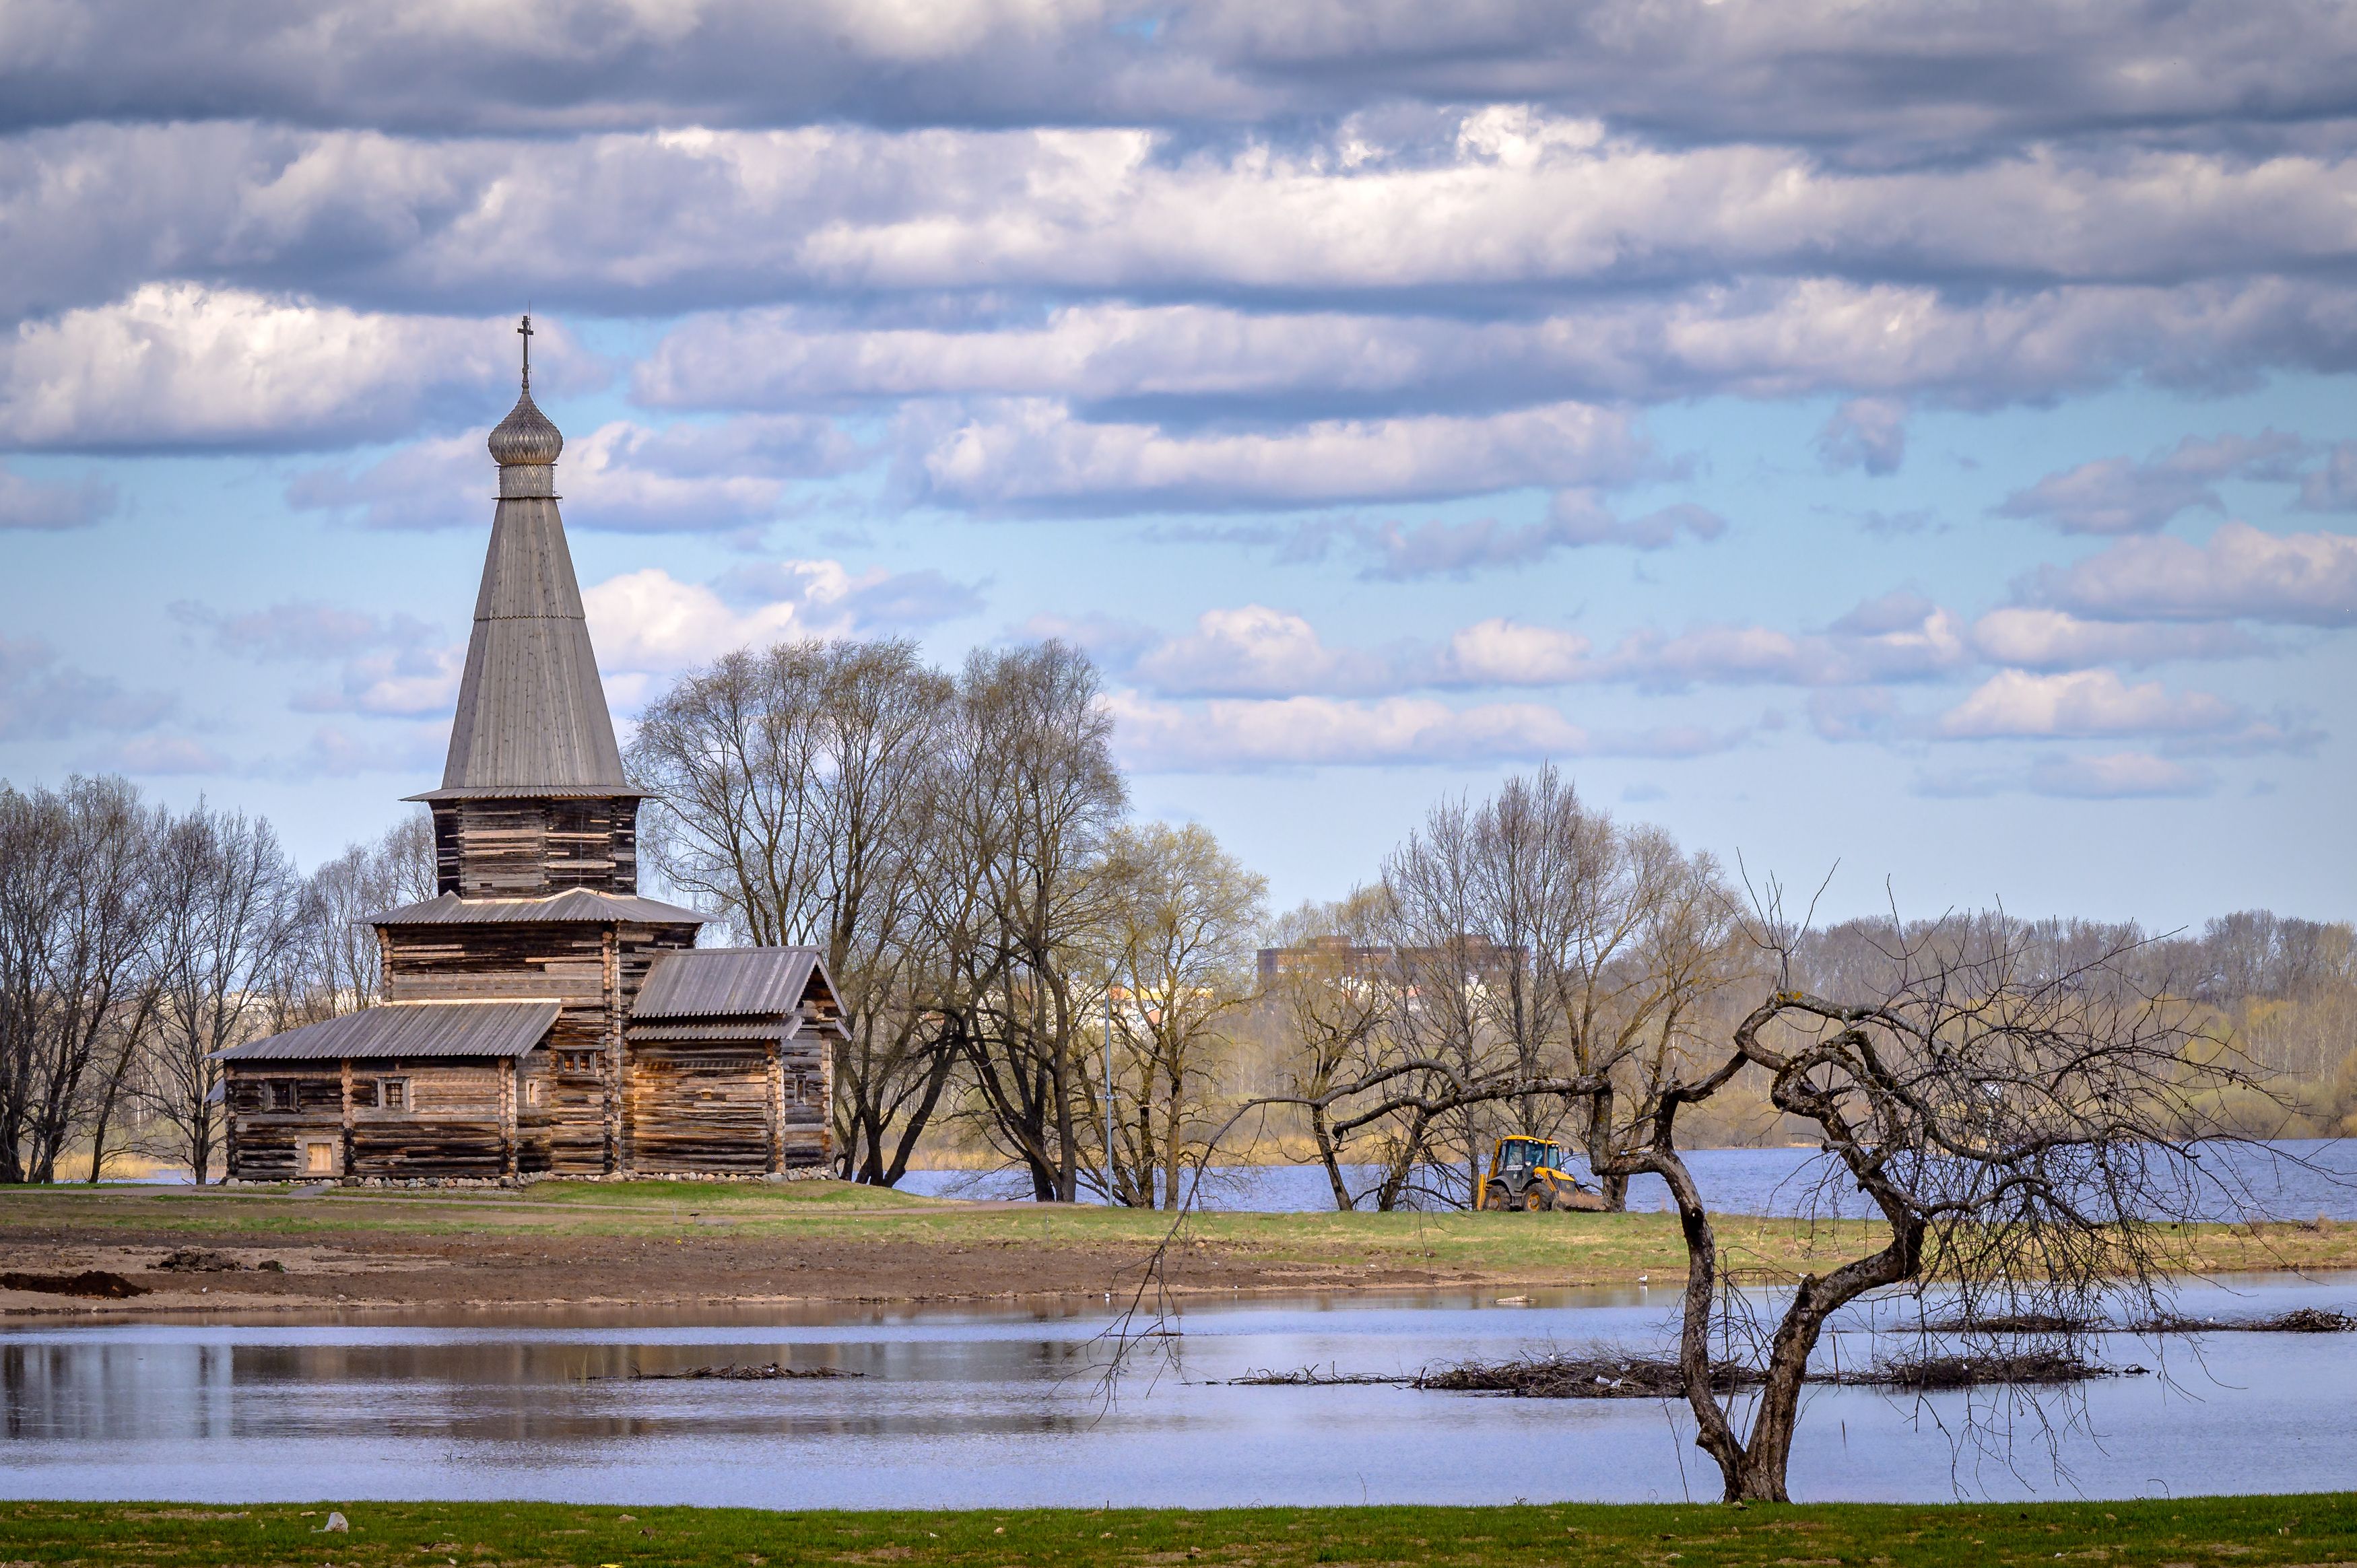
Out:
{"x": 1311, "y": 1377}
{"x": 737, "y": 1374}
{"x": 2019, "y": 1323}
{"x": 1590, "y": 1376}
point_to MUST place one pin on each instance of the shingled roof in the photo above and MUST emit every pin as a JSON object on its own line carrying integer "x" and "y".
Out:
{"x": 531, "y": 712}
{"x": 411, "y": 1029}
{"x": 574, "y": 904}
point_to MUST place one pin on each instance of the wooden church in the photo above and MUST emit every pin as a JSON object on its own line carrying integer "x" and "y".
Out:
{"x": 540, "y": 1017}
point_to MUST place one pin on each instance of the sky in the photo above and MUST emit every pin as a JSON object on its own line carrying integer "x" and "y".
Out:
{"x": 1907, "y": 444}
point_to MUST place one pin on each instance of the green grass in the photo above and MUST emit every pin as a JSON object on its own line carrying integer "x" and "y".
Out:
{"x": 1531, "y": 1249}
{"x": 2311, "y": 1529}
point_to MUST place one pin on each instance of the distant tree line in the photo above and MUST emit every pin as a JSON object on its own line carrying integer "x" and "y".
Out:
{"x": 1036, "y": 979}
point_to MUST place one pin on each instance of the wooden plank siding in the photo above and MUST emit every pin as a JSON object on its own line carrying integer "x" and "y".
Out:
{"x": 525, "y": 848}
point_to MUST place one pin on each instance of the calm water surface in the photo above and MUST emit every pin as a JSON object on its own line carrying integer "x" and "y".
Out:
{"x": 2291, "y": 1179}
{"x": 1006, "y": 1409}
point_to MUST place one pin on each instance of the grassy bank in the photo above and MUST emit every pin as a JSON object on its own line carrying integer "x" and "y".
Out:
{"x": 1251, "y": 1250}
{"x": 2311, "y": 1529}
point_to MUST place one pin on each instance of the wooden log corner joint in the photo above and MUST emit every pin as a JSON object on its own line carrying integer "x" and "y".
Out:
{"x": 540, "y": 1017}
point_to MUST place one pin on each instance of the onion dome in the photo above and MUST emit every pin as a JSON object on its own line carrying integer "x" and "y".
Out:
{"x": 525, "y": 436}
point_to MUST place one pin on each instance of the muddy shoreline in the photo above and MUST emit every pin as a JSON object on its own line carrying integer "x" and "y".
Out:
{"x": 365, "y": 1271}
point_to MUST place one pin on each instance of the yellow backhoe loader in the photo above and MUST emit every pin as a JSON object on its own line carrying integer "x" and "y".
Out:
{"x": 1534, "y": 1175}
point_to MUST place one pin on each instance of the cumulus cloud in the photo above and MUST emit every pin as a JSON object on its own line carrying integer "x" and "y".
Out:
{"x": 1257, "y": 650}
{"x": 1899, "y": 637}
{"x": 647, "y": 622}
{"x": 2241, "y": 572}
{"x": 1036, "y": 457}
{"x": 1402, "y": 551}
{"x": 387, "y": 665}
{"x": 1112, "y": 640}
{"x": 876, "y": 600}
{"x": 332, "y": 752}
{"x": 1864, "y": 83}
{"x": 1760, "y": 337}
{"x": 619, "y": 478}
{"x": 2333, "y": 487}
{"x": 2118, "y": 495}
{"x": 1869, "y": 432}
{"x": 1254, "y": 650}
{"x": 42, "y": 697}
{"x": 2034, "y": 638}
{"x": 49, "y": 506}
{"x": 153, "y": 755}
{"x": 1242, "y": 735}
{"x": 1502, "y": 652}
{"x": 180, "y": 365}
{"x": 2014, "y": 703}
{"x": 2117, "y": 776}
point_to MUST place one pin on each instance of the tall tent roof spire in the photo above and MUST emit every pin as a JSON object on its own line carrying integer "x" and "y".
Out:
{"x": 531, "y": 712}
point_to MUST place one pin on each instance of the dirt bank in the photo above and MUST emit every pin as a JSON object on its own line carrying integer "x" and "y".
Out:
{"x": 677, "y": 1245}
{"x": 573, "y": 1262}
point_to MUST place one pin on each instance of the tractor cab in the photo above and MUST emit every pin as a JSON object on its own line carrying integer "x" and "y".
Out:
{"x": 1533, "y": 1174}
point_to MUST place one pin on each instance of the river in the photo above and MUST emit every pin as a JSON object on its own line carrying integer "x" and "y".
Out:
{"x": 1007, "y": 1409}
{"x": 2290, "y": 1179}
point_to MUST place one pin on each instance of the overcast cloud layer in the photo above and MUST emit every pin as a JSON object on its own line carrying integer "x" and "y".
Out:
{"x": 1383, "y": 392}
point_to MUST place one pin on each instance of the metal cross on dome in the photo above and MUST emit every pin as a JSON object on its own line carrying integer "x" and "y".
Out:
{"x": 526, "y": 331}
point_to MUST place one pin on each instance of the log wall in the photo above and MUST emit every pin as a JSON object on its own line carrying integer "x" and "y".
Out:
{"x": 593, "y": 972}
{"x": 452, "y": 1119}
{"x": 588, "y": 1100}
{"x": 265, "y": 1144}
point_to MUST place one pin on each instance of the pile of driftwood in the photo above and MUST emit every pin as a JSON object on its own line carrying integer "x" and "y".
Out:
{"x": 1611, "y": 1377}
{"x": 1589, "y": 1377}
{"x": 1600, "y": 1376}
{"x": 1965, "y": 1370}
{"x": 2299, "y": 1320}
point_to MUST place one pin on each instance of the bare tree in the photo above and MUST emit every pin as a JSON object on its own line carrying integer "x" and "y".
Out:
{"x": 2023, "y": 1129}
{"x": 1039, "y": 796}
{"x": 77, "y": 913}
{"x": 1441, "y": 966}
{"x": 336, "y": 963}
{"x": 1531, "y": 936}
{"x": 795, "y": 793}
{"x": 1327, "y": 996}
{"x": 1182, "y": 956}
{"x": 232, "y": 908}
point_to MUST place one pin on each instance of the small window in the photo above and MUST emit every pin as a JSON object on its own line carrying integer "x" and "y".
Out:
{"x": 532, "y": 1091}
{"x": 576, "y": 1061}
{"x": 395, "y": 1092}
{"x": 282, "y": 1094}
